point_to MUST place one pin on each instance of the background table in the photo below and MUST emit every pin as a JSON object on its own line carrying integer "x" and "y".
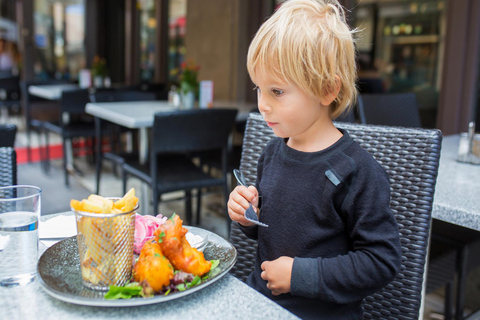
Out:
{"x": 457, "y": 192}
{"x": 228, "y": 298}
{"x": 51, "y": 91}
{"x": 456, "y": 206}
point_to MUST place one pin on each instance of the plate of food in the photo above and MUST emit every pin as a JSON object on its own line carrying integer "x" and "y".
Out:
{"x": 167, "y": 268}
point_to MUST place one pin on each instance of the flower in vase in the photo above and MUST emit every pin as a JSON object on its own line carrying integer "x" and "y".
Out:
{"x": 99, "y": 67}
{"x": 188, "y": 76}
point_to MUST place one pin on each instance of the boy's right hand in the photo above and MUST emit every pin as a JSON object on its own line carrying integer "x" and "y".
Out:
{"x": 239, "y": 201}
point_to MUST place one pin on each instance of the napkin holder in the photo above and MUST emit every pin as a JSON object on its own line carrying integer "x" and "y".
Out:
{"x": 469, "y": 146}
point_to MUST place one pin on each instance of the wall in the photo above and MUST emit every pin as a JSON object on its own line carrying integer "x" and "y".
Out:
{"x": 211, "y": 40}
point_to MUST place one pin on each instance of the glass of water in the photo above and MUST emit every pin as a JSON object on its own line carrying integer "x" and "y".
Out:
{"x": 19, "y": 215}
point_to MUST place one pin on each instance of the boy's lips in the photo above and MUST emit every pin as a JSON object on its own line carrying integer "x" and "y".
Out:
{"x": 270, "y": 124}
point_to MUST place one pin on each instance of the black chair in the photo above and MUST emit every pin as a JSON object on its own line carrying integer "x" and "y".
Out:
{"x": 391, "y": 109}
{"x": 7, "y": 135}
{"x": 117, "y": 155}
{"x": 110, "y": 95}
{"x": 175, "y": 135}
{"x": 8, "y": 167}
{"x": 353, "y": 114}
{"x": 37, "y": 110}
{"x": 411, "y": 158}
{"x": 160, "y": 90}
{"x": 10, "y": 93}
{"x": 73, "y": 123}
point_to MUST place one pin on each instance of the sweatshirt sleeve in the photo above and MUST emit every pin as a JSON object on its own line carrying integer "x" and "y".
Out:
{"x": 375, "y": 258}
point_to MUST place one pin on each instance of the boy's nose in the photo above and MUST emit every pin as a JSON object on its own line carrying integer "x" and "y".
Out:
{"x": 263, "y": 105}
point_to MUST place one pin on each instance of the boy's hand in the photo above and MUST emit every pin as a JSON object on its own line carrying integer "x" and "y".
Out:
{"x": 278, "y": 274}
{"x": 239, "y": 200}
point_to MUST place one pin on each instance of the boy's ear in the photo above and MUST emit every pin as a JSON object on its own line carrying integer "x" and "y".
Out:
{"x": 332, "y": 94}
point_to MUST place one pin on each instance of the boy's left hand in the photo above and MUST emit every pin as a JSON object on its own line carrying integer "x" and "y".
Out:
{"x": 278, "y": 274}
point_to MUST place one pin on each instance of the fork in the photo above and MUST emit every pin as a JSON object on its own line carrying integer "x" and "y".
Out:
{"x": 250, "y": 214}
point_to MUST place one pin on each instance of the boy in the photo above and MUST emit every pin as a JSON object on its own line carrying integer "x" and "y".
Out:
{"x": 332, "y": 238}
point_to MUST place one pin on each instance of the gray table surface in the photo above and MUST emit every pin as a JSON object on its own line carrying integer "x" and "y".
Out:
{"x": 136, "y": 114}
{"x": 227, "y": 298}
{"x": 457, "y": 192}
{"x": 51, "y": 91}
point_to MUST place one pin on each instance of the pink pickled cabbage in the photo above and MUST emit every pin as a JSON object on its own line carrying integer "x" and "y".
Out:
{"x": 145, "y": 227}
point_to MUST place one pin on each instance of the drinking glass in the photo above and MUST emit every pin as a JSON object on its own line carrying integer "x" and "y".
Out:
{"x": 19, "y": 214}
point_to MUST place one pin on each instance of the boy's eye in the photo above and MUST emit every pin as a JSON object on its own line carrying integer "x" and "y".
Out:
{"x": 277, "y": 92}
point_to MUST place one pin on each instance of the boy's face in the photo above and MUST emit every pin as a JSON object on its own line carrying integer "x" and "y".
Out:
{"x": 288, "y": 110}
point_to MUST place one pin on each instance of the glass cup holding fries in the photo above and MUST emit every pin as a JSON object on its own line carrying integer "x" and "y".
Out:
{"x": 105, "y": 238}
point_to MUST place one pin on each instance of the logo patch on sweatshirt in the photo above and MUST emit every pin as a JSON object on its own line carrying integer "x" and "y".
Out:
{"x": 332, "y": 177}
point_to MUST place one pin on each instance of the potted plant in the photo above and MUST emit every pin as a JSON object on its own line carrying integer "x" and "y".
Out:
{"x": 188, "y": 81}
{"x": 99, "y": 71}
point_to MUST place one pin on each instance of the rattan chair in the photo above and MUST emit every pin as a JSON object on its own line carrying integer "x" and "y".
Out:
{"x": 410, "y": 157}
{"x": 175, "y": 137}
{"x": 7, "y": 135}
{"x": 391, "y": 109}
{"x": 8, "y": 167}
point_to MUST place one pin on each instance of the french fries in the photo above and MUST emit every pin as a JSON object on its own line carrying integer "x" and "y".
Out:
{"x": 99, "y": 204}
{"x": 105, "y": 243}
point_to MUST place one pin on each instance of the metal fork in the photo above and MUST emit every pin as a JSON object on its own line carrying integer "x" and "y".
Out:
{"x": 250, "y": 214}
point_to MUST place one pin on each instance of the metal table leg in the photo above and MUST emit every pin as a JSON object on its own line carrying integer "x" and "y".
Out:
{"x": 143, "y": 150}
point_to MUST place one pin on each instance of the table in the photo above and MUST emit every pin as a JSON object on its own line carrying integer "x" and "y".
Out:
{"x": 457, "y": 201}
{"x": 51, "y": 91}
{"x": 225, "y": 299}
{"x": 457, "y": 192}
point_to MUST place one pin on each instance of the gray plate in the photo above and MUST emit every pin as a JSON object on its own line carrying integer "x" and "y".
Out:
{"x": 58, "y": 272}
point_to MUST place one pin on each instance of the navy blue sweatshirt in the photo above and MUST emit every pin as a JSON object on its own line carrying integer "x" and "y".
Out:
{"x": 329, "y": 210}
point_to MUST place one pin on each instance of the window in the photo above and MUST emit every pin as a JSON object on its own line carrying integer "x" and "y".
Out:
{"x": 400, "y": 45}
{"x": 59, "y": 28}
{"x": 177, "y": 22}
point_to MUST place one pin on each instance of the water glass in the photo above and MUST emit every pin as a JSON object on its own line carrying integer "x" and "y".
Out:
{"x": 20, "y": 208}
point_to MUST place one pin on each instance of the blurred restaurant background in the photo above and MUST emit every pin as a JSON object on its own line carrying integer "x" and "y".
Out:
{"x": 429, "y": 47}
{"x": 426, "y": 47}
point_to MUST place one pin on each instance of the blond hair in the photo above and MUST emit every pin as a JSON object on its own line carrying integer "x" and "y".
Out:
{"x": 309, "y": 44}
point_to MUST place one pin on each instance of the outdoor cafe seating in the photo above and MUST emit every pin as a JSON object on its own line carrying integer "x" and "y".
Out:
{"x": 72, "y": 123}
{"x": 118, "y": 153}
{"x": 37, "y": 110}
{"x": 406, "y": 154}
{"x": 176, "y": 135}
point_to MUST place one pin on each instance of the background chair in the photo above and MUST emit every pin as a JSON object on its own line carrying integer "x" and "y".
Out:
{"x": 117, "y": 155}
{"x": 7, "y": 135}
{"x": 160, "y": 90}
{"x": 37, "y": 110}
{"x": 411, "y": 158}
{"x": 9, "y": 94}
{"x": 110, "y": 95}
{"x": 353, "y": 115}
{"x": 72, "y": 123}
{"x": 8, "y": 167}
{"x": 175, "y": 135}
{"x": 392, "y": 109}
